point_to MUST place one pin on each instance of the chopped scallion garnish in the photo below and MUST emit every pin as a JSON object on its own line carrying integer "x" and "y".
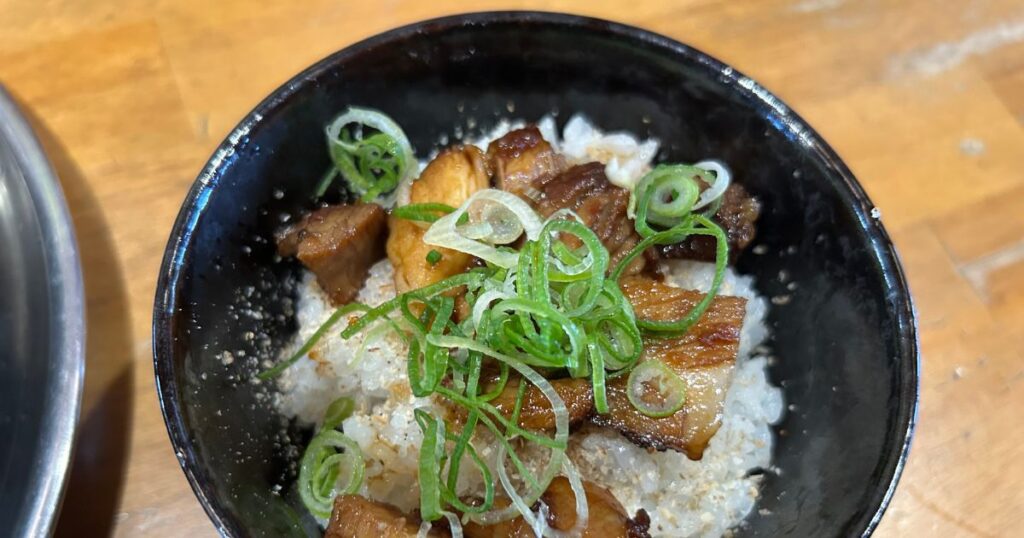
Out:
{"x": 332, "y": 464}
{"x": 543, "y": 305}
{"x": 655, "y": 390}
{"x": 429, "y": 212}
{"x": 658, "y": 195}
{"x": 370, "y": 151}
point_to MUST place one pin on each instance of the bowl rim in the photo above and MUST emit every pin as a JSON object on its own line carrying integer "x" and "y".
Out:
{"x": 50, "y": 469}
{"x": 852, "y": 194}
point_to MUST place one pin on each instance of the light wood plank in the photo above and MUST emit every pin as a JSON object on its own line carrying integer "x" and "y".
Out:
{"x": 923, "y": 99}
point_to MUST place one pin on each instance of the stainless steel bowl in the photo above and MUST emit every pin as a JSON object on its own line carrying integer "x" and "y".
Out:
{"x": 42, "y": 332}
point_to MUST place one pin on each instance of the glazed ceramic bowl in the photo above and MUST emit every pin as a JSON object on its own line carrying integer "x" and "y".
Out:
{"x": 844, "y": 338}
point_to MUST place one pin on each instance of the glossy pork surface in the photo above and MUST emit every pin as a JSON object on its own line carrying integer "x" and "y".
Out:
{"x": 535, "y": 412}
{"x": 358, "y": 517}
{"x": 522, "y": 160}
{"x": 602, "y": 206}
{"x": 606, "y": 516}
{"x": 451, "y": 178}
{"x": 703, "y": 357}
{"x": 338, "y": 244}
{"x": 737, "y": 216}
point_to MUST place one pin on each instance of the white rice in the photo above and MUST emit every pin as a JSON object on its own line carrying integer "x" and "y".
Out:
{"x": 683, "y": 497}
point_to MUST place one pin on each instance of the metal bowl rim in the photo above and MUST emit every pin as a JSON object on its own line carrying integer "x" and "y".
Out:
{"x": 67, "y": 323}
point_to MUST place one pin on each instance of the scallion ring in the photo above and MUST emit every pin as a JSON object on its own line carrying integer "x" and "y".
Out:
{"x": 655, "y": 390}
{"x": 373, "y": 164}
{"x": 323, "y": 466}
{"x": 712, "y": 196}
{"x": 665, "y": 196}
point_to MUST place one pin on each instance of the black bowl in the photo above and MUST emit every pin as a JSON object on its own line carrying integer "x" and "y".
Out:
{"x": 844, "y": 337}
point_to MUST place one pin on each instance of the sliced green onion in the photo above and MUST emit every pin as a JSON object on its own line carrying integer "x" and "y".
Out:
{"x": 492, "y": 417}
{"x": 558, "y": 406}
{"x": 323, "y": 467}
{"x": 619, "y": 340}
{"x": 683, "y": 324}
{"x": 582, "y": 506}
{"x": 372, "y": 164}
{"x": 563, "y": 254}
{"x": 670, "y": 193}
{"x": 313, "y": 339}
{"x": 337, "y": 412}
{"x": 593, "y": 265}
{"x": 430, "y": 460}
{"x": 427, "y": 212}
{"x": 462, "y": 446}
{"x": 672, "y": 235}
{"x": 483, "y": 303}
{"x": 517, "y": 407}
{"x": 566, "y": 344}
{"x": 712, "y": 196}
{"x": 521, "y": 503}
{"x": 446, "y": 232}
{"x": 665, "y": 196}
{"x": 499, "y": 386}
{"x": 433, "y": 257}
{"x": 325, "y": 182}
{"x": 653, "y": 376}
{"x": 471, "y": 278}
{"x": 673, "y": 196}
{"x": 454, "y": 526}
{"x": 597, "y": 372}
{"x": 424, "y": 379}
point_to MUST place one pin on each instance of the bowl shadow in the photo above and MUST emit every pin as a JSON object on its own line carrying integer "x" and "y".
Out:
{"x": 99, "y": 459}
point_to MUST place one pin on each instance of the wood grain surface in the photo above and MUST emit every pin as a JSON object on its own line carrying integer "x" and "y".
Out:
{"x": 923, "y": 99}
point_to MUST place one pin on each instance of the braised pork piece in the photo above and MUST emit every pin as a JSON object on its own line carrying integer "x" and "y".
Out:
{"x": 601, "y": 206}
{"x": 522, "y": 160}
{"x": 451, "y": 178}
{"x": 526, "y": 165}
{"x": 606, "y": 517}
{"x": 737, "y": 217}
{"x": 535, "y": 412}
{"x": 338, "y": 244}
{"x": 703, "y": 357}
{"x": 355, "y": 516}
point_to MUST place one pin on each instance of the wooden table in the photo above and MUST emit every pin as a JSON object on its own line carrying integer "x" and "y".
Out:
{"x": 924, "y": 101}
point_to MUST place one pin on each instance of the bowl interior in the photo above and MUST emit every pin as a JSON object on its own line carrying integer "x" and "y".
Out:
{"x": 842, "y": 325}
